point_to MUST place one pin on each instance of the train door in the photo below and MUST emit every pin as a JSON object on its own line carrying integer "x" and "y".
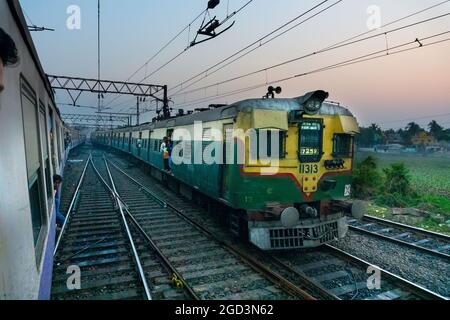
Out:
{"x": 129, "y": 142}
{"x": 228, "y": 139}
{"x": 139, "y": 144}
{"x": 149, "y": 144}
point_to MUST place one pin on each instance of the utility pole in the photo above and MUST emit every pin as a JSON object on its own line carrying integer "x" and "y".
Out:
{"x": 137, "y": 111}
{"x": 166, "y": 110}
{"x": 98, "y": 52}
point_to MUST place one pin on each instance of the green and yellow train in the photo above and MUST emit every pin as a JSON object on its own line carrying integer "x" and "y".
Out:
{"x": 271, "y": 168}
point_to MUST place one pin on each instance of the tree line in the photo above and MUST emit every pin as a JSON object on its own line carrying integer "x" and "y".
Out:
{"x": 374, "y": 135}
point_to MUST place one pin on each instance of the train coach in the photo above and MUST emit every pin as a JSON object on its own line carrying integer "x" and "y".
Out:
{"x": 32, "y": 150}
{"x": 287, "y": 205}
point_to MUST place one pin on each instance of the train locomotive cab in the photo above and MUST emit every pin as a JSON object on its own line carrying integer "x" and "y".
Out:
{"x": 291, "y": 204}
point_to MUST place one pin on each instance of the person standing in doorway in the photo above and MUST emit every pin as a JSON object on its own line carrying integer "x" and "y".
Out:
{"x": 165, "y": 152}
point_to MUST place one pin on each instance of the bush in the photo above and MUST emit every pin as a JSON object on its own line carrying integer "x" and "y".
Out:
{"x": 396, "y": 190}
{"x": 397, "y": 179}
{"x": 366, "y": 179}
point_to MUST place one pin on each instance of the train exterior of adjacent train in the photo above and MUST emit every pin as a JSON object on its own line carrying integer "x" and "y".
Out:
{"x": 32, "y": 150}
{"x": 282, "y": 206}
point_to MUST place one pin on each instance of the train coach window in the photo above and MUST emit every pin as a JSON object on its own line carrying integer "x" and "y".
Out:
{"x": 45, "y": 150}
{"x": 35, "y": 173}
{"x": 269, "y": 134}
{"x": 342, "y": 145}
{"x": 310, "y": 140}
{"x": 35, "y": 194}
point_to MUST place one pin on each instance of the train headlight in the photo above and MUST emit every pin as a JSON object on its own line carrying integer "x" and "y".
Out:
{"x": 313, "y": 106}
{"x": 311, "y": 102}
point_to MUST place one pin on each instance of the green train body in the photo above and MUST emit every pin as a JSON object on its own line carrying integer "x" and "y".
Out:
{"x": 283, "y": 206}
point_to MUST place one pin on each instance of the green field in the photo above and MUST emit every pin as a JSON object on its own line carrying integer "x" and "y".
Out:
{"x": 430, "y": 177}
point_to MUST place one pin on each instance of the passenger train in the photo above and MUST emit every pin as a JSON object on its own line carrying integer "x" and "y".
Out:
{"x": 283, "y": 206}
{"x": 32, "y": 136}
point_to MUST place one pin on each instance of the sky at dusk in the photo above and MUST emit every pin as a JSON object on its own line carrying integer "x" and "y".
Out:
{"x": 391, "y": 91}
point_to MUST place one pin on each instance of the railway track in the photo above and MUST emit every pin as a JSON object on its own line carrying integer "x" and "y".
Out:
{"x": 72, "y": 171}
{"x": 211, "y": 268}
{"x": 420, "y": 239}
{"x": 326, "y": 273}
{"x": 114, "y": 263}
{"x": 348, "y": 277}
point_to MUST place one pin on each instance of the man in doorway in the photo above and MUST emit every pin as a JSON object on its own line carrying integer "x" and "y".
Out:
{"x": 60, "y": 218}
{"x": 8, "y": 55}
{"x": 165, "y": 152}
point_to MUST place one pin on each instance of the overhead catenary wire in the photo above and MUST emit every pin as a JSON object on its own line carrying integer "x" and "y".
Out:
{"x": 261, "y": 44}
{"x": 166, "y": 45}
{"x": 187, "y": 48}
{"x": 180, "y": 53}
{"x": 256, "y": 42}
{"x": 390, "y": 23}
{"x": 314, "y": 53}
{"x": 145, "y": 64}
{"x": 363, "y": 58}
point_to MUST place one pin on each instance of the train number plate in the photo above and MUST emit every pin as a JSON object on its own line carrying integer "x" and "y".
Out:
{"x": 308, "y": 168}
{"x": 347, "y": 190}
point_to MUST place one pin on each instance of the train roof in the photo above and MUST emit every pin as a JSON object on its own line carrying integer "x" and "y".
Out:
{"x": 230, "y": 111}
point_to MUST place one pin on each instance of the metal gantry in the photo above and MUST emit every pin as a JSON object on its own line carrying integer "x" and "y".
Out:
{"x": 90, "y": 119}
{"x": 75, "y": 86}
{"x": 79, "y": 85}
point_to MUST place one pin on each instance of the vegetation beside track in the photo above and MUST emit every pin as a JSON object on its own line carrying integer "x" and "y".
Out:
{"x": 405, "y": 181}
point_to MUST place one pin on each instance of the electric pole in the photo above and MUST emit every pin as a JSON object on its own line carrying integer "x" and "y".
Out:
{"x": 137, "y": 111}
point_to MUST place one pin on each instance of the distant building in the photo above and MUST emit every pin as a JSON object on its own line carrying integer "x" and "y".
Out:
{"x": 423, "y": 139}
{"x": 393, "y": 138}
{"x": 389, "y": 148}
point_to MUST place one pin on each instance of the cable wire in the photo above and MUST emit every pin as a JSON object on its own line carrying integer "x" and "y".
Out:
{"x": 309, "y": 55}
{"x": 348, "y": 62}
{"x": 252, "y": 44}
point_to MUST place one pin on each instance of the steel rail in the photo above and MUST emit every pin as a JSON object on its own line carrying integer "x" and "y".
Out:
{"x": 151, "y": 242}
{"x": 72, "y": 202}
{"x": 387, "y": 223}
{"x": 424, "y": 232}
{"x": 403, "y": 283}
{"x": 252, "y": 262}
{"x": 162, "y": 256}
{"x": 308, "y": 282}
{"x": 130, "y": 238}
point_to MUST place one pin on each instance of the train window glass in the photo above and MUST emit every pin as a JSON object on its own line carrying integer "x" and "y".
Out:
{"x": 310, "y": 140}
{"x": 34, "y": 172}
{"x": 35, "y": 195}
{"x": 51, "y": 132}
{"x": 58, "y": 139}
{"x": 282, "y": 144}
{"x": 268, "y": 138}
{"x": 45, "y": 154}
{"x": 342, "y": 145}
{"x": 29, "y": 110}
